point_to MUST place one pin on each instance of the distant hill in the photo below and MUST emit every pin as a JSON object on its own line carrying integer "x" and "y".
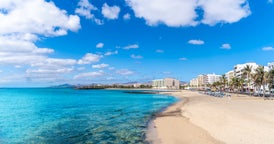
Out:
{"x": 63, "y": 86}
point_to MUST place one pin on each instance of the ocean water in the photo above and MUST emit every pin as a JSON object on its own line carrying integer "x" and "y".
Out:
{"x": 68, "y": 116}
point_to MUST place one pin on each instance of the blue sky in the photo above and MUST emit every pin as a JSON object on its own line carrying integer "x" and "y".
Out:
{"x": 45, "y": 43}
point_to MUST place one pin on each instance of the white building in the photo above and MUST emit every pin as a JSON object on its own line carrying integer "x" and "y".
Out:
{"x": 229, "y": 75}
{"x": 270, "y": 65}
{"x": 167, "y": 83}
{"x": 194, "y": 82}
{"x": 211, "y": 78}
{"x": 202, "y": 80}
{"x": 239, "y": 69}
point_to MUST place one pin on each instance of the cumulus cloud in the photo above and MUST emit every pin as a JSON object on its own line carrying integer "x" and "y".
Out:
{"x": 110, "y": 12}
{"x": 134, "y": 46}
{"x": 51, "y": 67}
{"x": 23, "y": 22}
{"x": 159, "y": 51}
{"x": 196, "y": 42}
{"x": 224, "y": 11}
{"x": 124, "y": 72}
{"x": 177, "y": 13}
{"x": 84, "y": 9}
{"x": 226, "y": 46}
{"x": 89, "y": 75}
{"x": 100, "y": 45}
{"x": 111, "y": 53}
{"x": 182, "y": 59}
{"x": 47, "y": 71}
{"x": 35, "y": 17}
{"x": 126, "y": 16}
{"x": 55, "y": 63}
{"x": 268, "y": 48}
{"x": 172, "y": 13}
{"x": 89, "y": 58}
{"x": 136, "y": 56}
{"x": 99, "y": 66}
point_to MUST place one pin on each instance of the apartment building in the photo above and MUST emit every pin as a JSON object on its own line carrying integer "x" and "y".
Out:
{"x": 166, "y": 83}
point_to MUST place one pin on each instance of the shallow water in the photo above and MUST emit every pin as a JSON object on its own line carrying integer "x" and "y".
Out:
{"x": 76, "y": 116}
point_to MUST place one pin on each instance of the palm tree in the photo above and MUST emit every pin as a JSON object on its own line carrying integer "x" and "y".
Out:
{"x": 247, "y": 72}
{"x": 260, "y": 78}
{"x": 271, "y": 79}
{"x": 223, "y": 81}
{"x": 237, "y": 83}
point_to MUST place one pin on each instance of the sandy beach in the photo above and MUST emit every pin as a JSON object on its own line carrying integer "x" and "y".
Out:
{"x": 199, "y": 118}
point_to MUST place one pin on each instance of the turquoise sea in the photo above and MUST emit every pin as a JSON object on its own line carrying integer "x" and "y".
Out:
{"x": 68, "y": 116}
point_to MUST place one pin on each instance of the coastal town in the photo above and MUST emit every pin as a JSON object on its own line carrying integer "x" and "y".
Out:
{"x": 248, "y": 78}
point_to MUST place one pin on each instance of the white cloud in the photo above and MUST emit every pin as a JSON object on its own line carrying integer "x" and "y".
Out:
{"x": 89, "y": 58}
{"x": 172, "y": 13}
{"x": 14, "y": 50}
{"x": 196, "y": 42}
{"x": 226, "y": 46}
{"x": 124, "y": 72}
{"x": 224, "y": 11}
{"x": 84, "y": 9}
{"x": 36, "y": 17}
{"x": 89, "y": 75}
{"x": 178, "y": 13}
{"x": 111, "y": 68}
{"x": 159, "y": 51}
{"x": 55, "y": 63}
{"x": 99, "y": 66}
{"x": 182, "y": 59}
{"x": 136, "y": 56}
{"x": 134, "y": 46}
{"x": 48, "y": 71}
{"x": 100, "y": 45}
{"x": 268, "y": 49}
{"x": 270, "y": 1}
{"x": 126, "y": 16}
{"x": 23, "y": 22}
{"x": 81, "y": 68}
{"x": 110, "y": 12}
{"x": 111, "y": 53}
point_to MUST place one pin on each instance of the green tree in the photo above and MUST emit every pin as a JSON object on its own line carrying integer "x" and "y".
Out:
{"x": 247, "y": 73}
{"x": 223, "y": 81}
{"x": 260, "y": 78}
{"x": 271, "y": 79}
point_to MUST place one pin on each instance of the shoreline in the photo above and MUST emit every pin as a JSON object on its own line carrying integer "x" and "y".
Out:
{"x": 173, "y": 113}
{"x": 199, "y": 118}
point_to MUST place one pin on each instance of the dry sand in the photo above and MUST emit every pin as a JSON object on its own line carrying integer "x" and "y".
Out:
{"x": 202, "y": 119}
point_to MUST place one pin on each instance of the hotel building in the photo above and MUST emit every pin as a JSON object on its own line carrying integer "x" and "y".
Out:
{"x": 166, "y": 83}
{"x": 229, "y": 75}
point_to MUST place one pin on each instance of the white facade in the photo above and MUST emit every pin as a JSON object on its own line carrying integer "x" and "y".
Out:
{"x": 239, "y": 69}
{"x": 212, "y": 78}
{"x": 229, "y": 75}
{"x": 167, "y": 83}
{"x": 270, "y": 65}
{"x": 194, "y": 82}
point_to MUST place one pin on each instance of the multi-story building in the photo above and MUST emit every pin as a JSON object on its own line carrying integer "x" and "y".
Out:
{"x": 239, "y": 73}
{"x": 239, "y": 69}
{"x": 211, "y": 78}
{"x": 203, "y": 80}
{"x": 166, "y": 83}
{"x": 194, "y": 82}
{"x": 270, "y": 65}
{"x": 229, "y": 75}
